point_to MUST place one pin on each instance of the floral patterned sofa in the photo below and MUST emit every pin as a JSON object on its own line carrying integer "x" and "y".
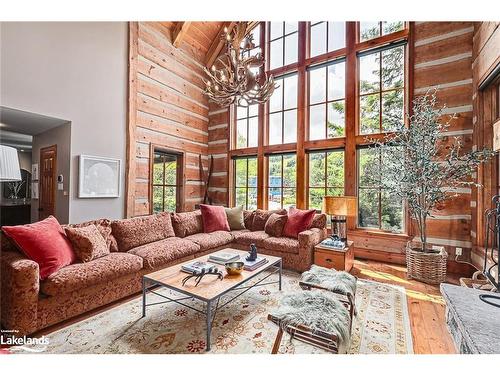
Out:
{"x": 137, "y": 246}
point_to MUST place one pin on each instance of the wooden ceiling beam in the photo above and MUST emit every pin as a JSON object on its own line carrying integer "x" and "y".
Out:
{"x": 179, "y": 32}
{"x": 218, "y": 43}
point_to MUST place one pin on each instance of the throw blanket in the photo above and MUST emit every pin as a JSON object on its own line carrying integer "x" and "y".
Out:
{"x": 317, "y": 310}
{"x": 335, "y": 281}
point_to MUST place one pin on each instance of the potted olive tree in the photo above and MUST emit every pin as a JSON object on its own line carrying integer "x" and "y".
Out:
{"x": 418, "y": 166}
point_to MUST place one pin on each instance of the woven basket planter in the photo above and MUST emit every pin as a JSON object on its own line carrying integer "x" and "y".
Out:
{"x": 429, "y": 266}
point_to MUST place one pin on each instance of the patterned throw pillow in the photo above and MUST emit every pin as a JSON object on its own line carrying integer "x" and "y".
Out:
{"x": 275, "y": 224}
{"x": 261, "y": 216}
{"x": 248, "y": 218}
{"x": 104, "y": 227}
{"x": 88, "y": 243}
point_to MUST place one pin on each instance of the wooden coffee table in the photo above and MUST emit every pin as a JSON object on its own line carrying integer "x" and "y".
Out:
{"x": 210, "y": 290}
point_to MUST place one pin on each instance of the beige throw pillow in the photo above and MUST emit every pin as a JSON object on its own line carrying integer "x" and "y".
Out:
{"x": 235, "y": 218}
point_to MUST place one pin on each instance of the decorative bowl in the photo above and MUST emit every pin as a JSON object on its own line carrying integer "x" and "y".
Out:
{"x": 234, "y": 268}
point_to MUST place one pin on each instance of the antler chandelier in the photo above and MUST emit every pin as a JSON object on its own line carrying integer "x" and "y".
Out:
{"x": 235, "y": 76}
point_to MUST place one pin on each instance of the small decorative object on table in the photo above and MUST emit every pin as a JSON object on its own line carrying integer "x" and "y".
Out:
{"x": 252, "y": 254}
{"x": 339, "y": 208}
{"x": 198, "y": 275}
{"x": 334, "y": 243}
{"x": 234, "y": 268}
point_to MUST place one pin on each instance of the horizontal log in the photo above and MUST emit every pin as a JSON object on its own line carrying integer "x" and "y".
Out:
{"x": 217, "y": 119}
{"x": 444, "y": 73}
{"x": 488, "y": 59}
{"x": 168, "y": 141}
{"x": 427, "y": 30}
{"x": 443, "y": 48}
{"x": 218, "y": 134}
{"x": 454, "y": 96}
{"x": 482, "y": 34}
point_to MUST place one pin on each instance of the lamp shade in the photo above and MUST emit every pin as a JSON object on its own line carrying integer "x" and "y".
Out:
{"x": 339, "y": 206}
{"x": 9, "y": 164}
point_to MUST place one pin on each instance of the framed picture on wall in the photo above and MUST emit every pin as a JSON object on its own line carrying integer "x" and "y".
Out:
{"x": 34, "y": 190}
{"x": 99, "y": 177}
{"x": 34, "y": 172}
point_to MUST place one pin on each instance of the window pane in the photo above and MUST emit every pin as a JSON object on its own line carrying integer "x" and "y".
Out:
{"x": 317, "y": 120}
{"x": 274, "y": 198}
{"x": 335, "y": 191}
{"x": 316, "y": 198}
{"x": 241, "y": 112}
{"x": 276, "y": 54}
{"x": 367, "y": 158}
{"x": 318, "y": 39}
{"x": 393, "y": 68}
{"x": 252, "y": 199}
{"x": 392, "y": 27}
{"x": 336, "y": 81}
{"x": 276, "y": 100}
{"x": 241, "y": 133}
{"x": 369, "y": 73}
{"x": 392, "y": 110}
{"x": 157, "y": 198}
{"x": 368, "y": 208}
{"x": 291, "y": 27}
{"x": 336, "y": 35}
{"x": 289, "y": 170}
{"x": 291, "y": 48}
{"x": 276, "y": 30}
{"x": 290, "y": 92}
{"x": 170, "y": 198}
{"x": 317, "y": 169}
{"x": 335, "y": 169}
{"x": 317, "y": 85}
{"x": 256, "y": 35}
{"x": 253, "y": 110}
{"x": 392, "y": 213}
{"x": 252, "y": 172}
{"x": 274, "y": 170}
{"x": 170, "y": 170}
{"x": 290, "y": 126}
{"x": 288, "y": 198}
{"x": 240, "y": 197}
{"x": 158, "y": 169}
{"x": 368, "y": 30}
{"x": 241, "y": 172}
{"x": 369, "y": 114}
{"x": 275, "y": 128}
{"x": 253, "y": 131}
{"x": 336, "y": 119}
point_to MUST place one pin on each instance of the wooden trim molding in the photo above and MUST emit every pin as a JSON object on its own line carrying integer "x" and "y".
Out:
{"x": 180, "y": 32}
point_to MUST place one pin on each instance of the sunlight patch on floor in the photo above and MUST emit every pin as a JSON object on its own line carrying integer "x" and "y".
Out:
{"x": 383, "y": 276}
{"x": 425, "y": 296}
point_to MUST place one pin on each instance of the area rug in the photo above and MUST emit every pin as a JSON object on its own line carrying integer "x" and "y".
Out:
{"x": 381, "y": 326}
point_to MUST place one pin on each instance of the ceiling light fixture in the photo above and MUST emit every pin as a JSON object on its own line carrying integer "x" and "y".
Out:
{"x": 236, "y": 76}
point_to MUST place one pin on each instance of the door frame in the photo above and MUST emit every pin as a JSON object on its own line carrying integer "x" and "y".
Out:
{"x": 42, "y": 150}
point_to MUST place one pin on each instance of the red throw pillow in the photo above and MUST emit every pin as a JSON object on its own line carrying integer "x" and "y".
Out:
{"x": 298, "y": 221}
{"x": 43, "y": 242}
{"x": 214, "y": 218}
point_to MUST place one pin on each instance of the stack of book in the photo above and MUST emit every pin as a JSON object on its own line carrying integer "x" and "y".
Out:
{"x": 223, "y": 257}
{"x": 197, "y": 267}
{"x": 251, "y": 265}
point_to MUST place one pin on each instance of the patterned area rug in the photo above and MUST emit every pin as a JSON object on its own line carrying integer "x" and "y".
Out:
{"x": 381, "y": 326}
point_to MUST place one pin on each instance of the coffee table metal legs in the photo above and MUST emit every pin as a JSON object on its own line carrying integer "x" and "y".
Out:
{"x": 143, "y": 297}
{"x": 281, "y": 271}
{"x": 209, "y": 324}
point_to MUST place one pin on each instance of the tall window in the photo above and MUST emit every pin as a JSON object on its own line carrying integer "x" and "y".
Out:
{"x": 281, "y": 183}
{"x": 326, "y": 37}
{"x": 326, "y": 176}
{"x": 245, "y": 182}
{"x": 381, "y": 89}
{"x": 327, "y": 101}
{"x": 247, "y": 126}
{"x": 283, "y": 43}
{"x": 283, "y": 111}
{"x": 377, "y": 209}
{"x": 167, "y": 180}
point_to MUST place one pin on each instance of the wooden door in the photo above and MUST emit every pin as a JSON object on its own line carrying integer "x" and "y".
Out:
{"x": 48, "y": 168}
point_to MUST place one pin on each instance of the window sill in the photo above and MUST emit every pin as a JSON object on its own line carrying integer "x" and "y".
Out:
{"x": 378, "y": 234}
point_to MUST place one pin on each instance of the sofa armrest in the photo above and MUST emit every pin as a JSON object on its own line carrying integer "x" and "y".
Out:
{"x": 20, "y": 278}
{"x": 307, "y": 240}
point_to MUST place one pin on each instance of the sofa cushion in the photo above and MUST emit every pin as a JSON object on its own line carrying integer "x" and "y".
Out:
{"x": 81, "y": 275}
{"x": 282, "y": 244}
{"x": 104, "y": 227}
{"x": 161, "y": 253}
{"x": 248, "y": 219}
{"x": 247, "y": 238}
{"x": 43, "y": 242}
{"x": 208, "y": 241}
{"x": 187, "y": 223}
{"x": 298, "y": 221}
{"x": 319, "y": 221}
{"x": 88, "y": 242}
{"x": 275, "y": 224}
{"x": 261, "y": 216}
{"x": 235, "y": 218}
{"x": 130, "y": 233}
{"x": 214, "y": 218}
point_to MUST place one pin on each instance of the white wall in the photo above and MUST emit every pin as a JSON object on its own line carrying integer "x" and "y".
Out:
{"x": 76, "y": 72}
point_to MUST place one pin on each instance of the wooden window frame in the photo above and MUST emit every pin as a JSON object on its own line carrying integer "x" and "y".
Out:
{"x": 155, "y": 148}
{"x": 351, "y": 140}
{"x": 234, "y": 186}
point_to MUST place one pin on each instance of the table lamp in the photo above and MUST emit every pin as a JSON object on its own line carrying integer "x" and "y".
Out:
{"x": 9, "y": 164}
{"x": 339, "y": 207}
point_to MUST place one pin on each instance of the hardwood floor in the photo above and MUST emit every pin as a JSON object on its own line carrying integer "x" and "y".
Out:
{"x": 425, "y": 304}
